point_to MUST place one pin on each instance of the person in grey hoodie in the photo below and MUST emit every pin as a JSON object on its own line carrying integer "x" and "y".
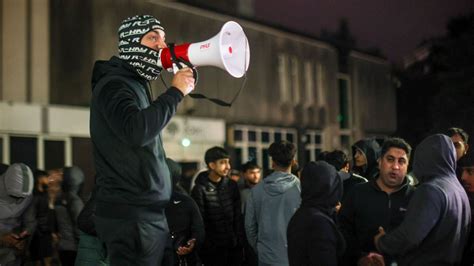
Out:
{"x": 271, "y": 205}
{"x": 436, "y": 225}
{"x": 16, "y": 187}
{"x": 67, "y": 208}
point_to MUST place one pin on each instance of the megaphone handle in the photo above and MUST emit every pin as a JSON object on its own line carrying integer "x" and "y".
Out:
{"x": 176, "y": 67}
{"x": 179, "y": 65}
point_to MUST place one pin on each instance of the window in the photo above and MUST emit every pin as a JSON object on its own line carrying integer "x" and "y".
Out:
{"x": 238, "y": 135}
{"x": 237, "y": 160}
{"x": 252, "y": 136}
{"x": 54, "y": 154}
{"x": 253, "y": 146}
{"x": 38, "y": 152}
{"x": 24, "y": 150}
{"x": 313, "y": 145}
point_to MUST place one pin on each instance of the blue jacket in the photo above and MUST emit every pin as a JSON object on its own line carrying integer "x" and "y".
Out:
{"x": 269, "y": 209}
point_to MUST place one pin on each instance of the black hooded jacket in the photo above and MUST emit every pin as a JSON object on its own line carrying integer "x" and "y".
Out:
{"x": 184, "y": 220}
{"x": 371, "y": 149}
{"x": 436, "y": 225}
{"x": 365, "y": 209}
{"x": 313, "y": 238}
{"x": 219, "y": 204}
{"x": 125, "y": 126}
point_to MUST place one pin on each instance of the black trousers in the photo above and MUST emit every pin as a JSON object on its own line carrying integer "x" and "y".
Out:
{"x": 133, "y": 242}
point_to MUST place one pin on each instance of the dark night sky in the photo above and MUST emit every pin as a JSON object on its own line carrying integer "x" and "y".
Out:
{"x": 394, "y": 26}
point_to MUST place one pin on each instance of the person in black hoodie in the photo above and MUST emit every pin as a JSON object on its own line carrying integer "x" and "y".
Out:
{"x": 380, "y": 202}
{"x": 218, "y": 199}
{"x": 437, "y": 220}
{"x": 339, "y": 160}
{"x": 133, "y": 181}
{"x": 365, "y": 153}
{"x": 313, "y": 238}
{"x": 184, "y": 220}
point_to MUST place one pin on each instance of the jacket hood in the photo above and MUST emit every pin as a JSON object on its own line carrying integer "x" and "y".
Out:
{"x": 321, "y": 185}
{"x": 73, "y": 177}
{"x": 16, "y": 186}
{"x": 278, "y": 182}
{"x": 114, "y": 66}
{"x": 435, "y": 157}
{"x": 371, "y": 148}
{"x": 17, "y": 181}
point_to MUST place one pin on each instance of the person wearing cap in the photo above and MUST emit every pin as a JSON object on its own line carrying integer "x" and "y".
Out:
{"x": 133, "y": 181}
{"x": 218, "y": 199}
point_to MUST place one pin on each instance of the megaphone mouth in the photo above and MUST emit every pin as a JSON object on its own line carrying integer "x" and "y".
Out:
{"x": 235, "y": 51}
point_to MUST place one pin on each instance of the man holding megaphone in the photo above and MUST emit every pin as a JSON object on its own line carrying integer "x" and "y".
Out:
{"x": 133, "y": 181}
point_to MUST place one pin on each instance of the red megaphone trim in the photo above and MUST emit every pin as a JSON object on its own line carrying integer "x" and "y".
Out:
{"x": 181, "y": 52}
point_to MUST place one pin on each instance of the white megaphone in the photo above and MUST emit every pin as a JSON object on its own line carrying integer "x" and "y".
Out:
{"x": 228, "y": 50}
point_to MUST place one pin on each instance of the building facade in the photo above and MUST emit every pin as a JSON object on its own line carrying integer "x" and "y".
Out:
{"x": 293, "y": 88}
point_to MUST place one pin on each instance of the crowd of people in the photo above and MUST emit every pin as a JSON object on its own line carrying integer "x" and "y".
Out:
{"x": 326, "y": 213}
{"x": 371, "y": 211}
{"x": 38, "y": 216}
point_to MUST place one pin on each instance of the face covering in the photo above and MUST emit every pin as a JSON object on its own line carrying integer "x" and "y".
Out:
{"x": 142, "y": 58}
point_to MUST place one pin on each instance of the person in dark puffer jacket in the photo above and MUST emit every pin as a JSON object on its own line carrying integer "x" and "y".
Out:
{"x": 218, "y": 199}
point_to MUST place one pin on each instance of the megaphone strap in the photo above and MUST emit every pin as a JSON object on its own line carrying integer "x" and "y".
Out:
{"x": 214, "y": 100}
{"x": 179, "y": 62}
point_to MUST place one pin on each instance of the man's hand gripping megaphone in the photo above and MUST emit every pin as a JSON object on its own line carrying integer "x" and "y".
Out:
{"x": 182, "y": 67}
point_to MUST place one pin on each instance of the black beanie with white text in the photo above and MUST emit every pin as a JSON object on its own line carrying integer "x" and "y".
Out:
{"x": 142, "y": 58}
